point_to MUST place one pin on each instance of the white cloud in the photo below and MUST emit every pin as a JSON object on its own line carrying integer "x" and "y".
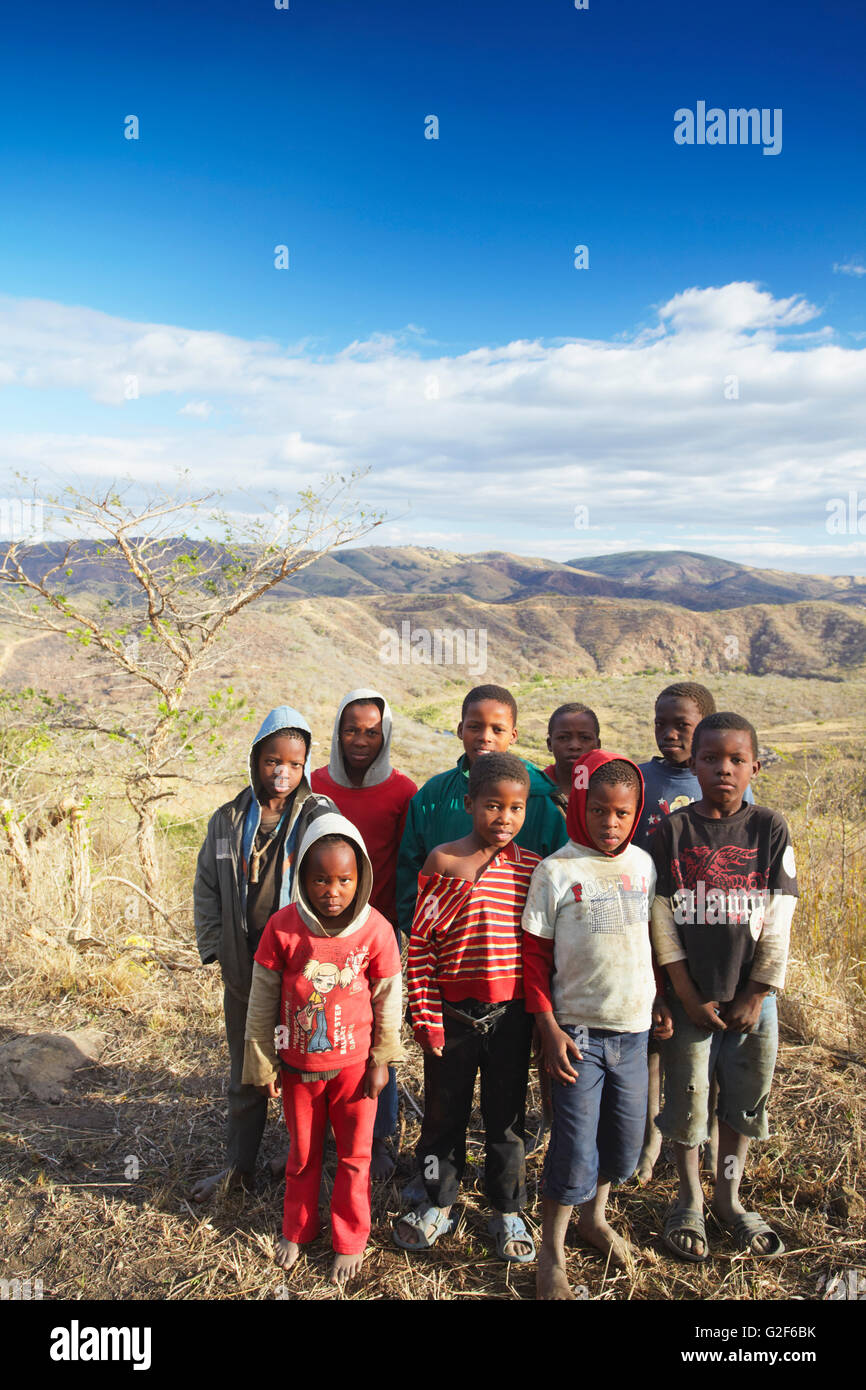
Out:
{"x": 493, "y": 448}
{"x": 849, "y": 268}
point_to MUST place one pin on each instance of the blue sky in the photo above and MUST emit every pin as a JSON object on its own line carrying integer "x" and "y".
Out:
{"x": 432, "y": 320}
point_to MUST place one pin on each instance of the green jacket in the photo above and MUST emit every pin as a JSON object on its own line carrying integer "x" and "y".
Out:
{"x": 436, "y": 816}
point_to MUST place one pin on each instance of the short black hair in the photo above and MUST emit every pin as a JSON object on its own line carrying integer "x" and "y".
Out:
{"x": 574, "y": 707}
{"x": 364, "y": 700}
{"x": 617, "y": 773}
{"x": 337, "y": 840}
{"x": 690, "y": 690}
{"x": 490, "y": 692}
{"x": 302, "y": 734}
{"x": 486, "y": 771}
{"x": 725, "y": 719}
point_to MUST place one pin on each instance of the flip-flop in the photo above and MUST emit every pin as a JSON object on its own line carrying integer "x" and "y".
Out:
{"x": 743, "y": 1230}
{"x": 422, "y": 1217}
{"x": 507, "y": 1226}
{"x": 692, "y": 1222}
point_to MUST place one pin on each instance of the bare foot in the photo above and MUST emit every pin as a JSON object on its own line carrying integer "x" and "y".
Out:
{"x": 652, "y": 1147}
{"x": 551, "y": 1281}
{"x": 232, "y": 1178}
{"x": 277, "y": 1165}
{"x": 346, "y": 1267}
{"x": 287, "y": 1252}
{"x": 596, "y": 1231}
{"x": 381, "y": 1163}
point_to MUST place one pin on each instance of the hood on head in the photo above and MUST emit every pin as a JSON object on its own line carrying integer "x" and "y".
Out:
{"x": 575, "y": 821}
{"x": 380, "y": 769}
{"x": 331, "y": 823}
{"x": 283, "y": 717}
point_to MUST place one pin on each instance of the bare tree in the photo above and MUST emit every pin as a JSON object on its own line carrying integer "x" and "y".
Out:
{"x": 150, "y": 587}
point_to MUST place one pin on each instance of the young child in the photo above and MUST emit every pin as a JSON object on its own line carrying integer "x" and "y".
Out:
{"x": 244, "y": 873}
{"x": 727, "y": 889}
{"x": 572, "y": 731}
{"x": 669, "y": 784}
{"x": 328, "y": 971}
{"x": 588, "y": 974}
{"x": 437, "y": 813}
{"x": 365, "y": 788}
{"x": 466, "y": 1003}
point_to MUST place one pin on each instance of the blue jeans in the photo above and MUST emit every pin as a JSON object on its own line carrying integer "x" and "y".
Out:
{"x": 598, "y": 1120}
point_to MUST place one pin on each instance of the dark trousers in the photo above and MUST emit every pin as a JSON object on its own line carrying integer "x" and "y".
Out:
{"x": 248, "y": 1108}
{"x": 502, "y": 1056}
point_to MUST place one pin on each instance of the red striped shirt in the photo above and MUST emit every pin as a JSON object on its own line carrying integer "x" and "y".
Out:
{"x": 466, "y": 939}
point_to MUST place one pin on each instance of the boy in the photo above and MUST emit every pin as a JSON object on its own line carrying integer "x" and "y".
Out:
{"x": 466, "y": 1003}
{"x": 727, "y": 889}
{"x": 328, "y": 970}
{"x": 572, "y": 731}
{"x": 244, "y": 873}
{"x": 374, "y": 796}
{"x": 437, "y": 813}
{"x": 669, "y": 784}
{"x": 589, "y": 980}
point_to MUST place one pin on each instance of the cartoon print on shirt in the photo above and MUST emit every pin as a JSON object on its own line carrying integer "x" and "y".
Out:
{"x": 325, "y": 976}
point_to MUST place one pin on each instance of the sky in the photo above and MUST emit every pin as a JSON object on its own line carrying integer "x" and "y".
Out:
{"x": 694, "y": 378}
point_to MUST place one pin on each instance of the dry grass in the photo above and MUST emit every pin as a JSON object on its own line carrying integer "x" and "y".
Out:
{"x": 72, "y": 1215}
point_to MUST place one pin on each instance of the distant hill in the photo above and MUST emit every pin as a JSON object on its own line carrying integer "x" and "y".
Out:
{"x": 701, "y": 583}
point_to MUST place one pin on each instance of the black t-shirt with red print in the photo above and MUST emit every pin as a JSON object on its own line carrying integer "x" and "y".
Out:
{"x": 720, "y": 875}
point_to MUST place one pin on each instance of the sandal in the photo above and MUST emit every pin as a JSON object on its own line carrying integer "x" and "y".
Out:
{"x": 507, "y": 1226}
{"x": 419, "y": 1219}
{"x": 691, "y": 1222}
{"x": 743, "y": 1230}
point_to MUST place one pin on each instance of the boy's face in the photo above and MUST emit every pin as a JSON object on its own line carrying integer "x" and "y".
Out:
{"x": 486, "y": 727}
{"x": 280, "y": 763}
{"x": 675, "y": 721}
{"x": 498, "y": 812}
{"x": 610, "y": 813}
{"x": 330, "y": 879}
{"x": 361, "y": 736}
{"x": 572, "y": 736}
{"x": 724, "y": 765}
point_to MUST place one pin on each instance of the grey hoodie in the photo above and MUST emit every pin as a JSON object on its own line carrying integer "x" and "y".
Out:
{"x": 261, "y": 1063}
{"x": 221, "y": 872}
{"x": 380, "y": 769}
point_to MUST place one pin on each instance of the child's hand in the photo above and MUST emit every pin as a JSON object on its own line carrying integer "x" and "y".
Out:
{"x": 743, "y": 1012}
{"x": 375, "y": 1080}
{"x": 663, "y": 1019}
{"x": 705, "y": 1015}
{"x": 272, "y": 1089}
{"x": 555, "y": 1048}
{"x": 426, "y": 1047}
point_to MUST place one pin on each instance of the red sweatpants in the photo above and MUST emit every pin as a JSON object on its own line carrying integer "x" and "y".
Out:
{"x": 307, "y": 1106}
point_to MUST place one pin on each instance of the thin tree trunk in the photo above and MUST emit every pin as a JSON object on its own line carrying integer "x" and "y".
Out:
{"x": 79, "y": 837}
{"x": 16, "y": 842}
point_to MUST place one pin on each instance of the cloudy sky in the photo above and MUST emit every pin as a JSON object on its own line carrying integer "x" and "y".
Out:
{"x": 701, "y": 384}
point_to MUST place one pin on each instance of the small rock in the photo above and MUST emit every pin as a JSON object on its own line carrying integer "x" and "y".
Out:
{"x": 847, "y": 1205}
{"x": 43, "y": 1063}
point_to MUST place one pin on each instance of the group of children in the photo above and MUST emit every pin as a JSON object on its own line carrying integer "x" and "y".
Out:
{"x": 619, "y": 915}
